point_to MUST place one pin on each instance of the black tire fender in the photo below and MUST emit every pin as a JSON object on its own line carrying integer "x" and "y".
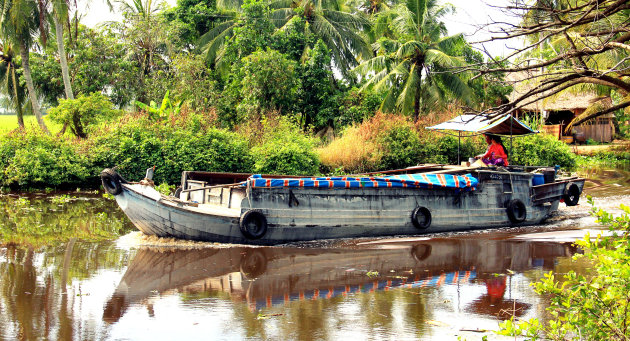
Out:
{"x": 253, "y": 263}
{"x": 516, "y": 211}
{"x": 421, "y": 252}
{"x": 421, "y": 218}
{"x": 253, "y": 224}
{"x": 571, "y": 195}
{"x": 111, "y": 181}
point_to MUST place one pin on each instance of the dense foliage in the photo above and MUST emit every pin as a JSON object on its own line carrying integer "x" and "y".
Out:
{"x": 541, "y": 150}
{"x": 84, "y": 113}
{"x": 32, "y": 159}
{"x": 284, "y": 149}
{"x": 591, "y": 306}
{"x": 140, "y": 143}
{"x": 199, "y": 84}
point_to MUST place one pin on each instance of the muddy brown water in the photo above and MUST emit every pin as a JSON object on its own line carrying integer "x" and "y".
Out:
{"x": 430, "y": 287}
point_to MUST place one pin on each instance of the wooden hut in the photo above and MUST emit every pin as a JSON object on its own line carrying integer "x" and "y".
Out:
{"x": 556, "y": 111}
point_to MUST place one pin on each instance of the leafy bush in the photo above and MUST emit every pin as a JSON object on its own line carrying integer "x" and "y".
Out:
{"x": 357, "y": 106}
{"x": 269, "y": 82}
{"x": 541, "y": 150}
{"x": 438, "y": 148}
{"x": 140, "y": 144}
{"x": 401, "y": 147}
{"x": 84, "y": 112}
{"x": 34, "y": 159}
{"x": 593, "y": 306}
{"x": 284, "y": 149}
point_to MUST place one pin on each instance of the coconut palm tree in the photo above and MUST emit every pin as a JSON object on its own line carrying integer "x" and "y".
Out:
{"x": 19, "y": 21}
{"x": 212, "y": 42}
{"x": 329, "y": 21}
{"x": 9, "y": 82}
{"x": 145, "y": 9}
{"x": 413, "y": 59}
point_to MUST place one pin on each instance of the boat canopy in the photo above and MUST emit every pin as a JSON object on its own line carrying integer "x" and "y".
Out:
{"x": 458, "y": 182}
{"x": 506, "y": 125}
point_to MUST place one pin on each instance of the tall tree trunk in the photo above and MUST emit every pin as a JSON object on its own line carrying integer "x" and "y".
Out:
{"x": 64, "y": 64}
{"x": 416, "y": 105}
{"x": 18, "y": 105}
{"x": 416, "y": 99}
{"x": 31, "y": 89}
{"x": 63, "y": 59}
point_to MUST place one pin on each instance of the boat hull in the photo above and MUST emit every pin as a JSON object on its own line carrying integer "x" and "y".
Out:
{"x": 299, "y": 214}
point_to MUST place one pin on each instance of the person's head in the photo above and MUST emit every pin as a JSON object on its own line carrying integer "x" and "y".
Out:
{"x": 490, "y": 138}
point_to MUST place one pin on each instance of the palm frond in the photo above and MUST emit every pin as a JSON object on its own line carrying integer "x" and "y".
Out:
{"x": 213, "y": 47}
{"x": 448, "y": 43}
{"x": 419, "y": 10}
{"x": 278, "y": 4}
{"x": 400, "y": 71}
{"x": 404, "y": 24}
{"x": 591, "y": 112}
{"x": 280, "y": 17}
{"x": 458, "y": 88}
{"x": 230, "y": 4}
{"x": 372, "y": 65}
{"x": 357, "y": 22}
{"x": 215, "y": 32}
{"x": 442, "y": 59}
{"x": 389, "y": 102}
{"x": 410, "y": 49}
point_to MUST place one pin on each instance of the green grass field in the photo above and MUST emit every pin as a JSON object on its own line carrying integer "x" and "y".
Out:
{"x": 9, "y": 122}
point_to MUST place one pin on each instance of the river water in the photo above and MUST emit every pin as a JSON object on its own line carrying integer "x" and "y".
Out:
{"x": 433, "y": 287}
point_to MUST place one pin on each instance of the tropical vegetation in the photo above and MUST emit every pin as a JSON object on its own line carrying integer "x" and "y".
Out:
{"x": 296, "y": 87}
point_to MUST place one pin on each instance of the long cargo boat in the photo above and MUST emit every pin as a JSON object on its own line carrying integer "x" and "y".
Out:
{"x": 268, "y": 209}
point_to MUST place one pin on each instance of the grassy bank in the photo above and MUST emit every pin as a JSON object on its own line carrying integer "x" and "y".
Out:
{"x": 9, "y": 123}
{"x": 614, "y": 156}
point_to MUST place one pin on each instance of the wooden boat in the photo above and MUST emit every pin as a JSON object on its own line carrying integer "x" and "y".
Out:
{"x": 266, "y": 209}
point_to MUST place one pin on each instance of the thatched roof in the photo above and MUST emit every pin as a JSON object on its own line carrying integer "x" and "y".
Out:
{"x": 524, "y": 81}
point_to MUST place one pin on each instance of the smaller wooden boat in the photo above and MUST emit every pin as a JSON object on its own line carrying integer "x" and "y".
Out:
{"x": 267, "y": 209}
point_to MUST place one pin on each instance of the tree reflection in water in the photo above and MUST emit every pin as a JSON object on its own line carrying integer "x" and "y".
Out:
{"x": 41, "y": 219}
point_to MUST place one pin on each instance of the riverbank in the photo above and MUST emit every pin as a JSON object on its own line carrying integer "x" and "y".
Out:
{"x": 270, "y": 145}
{"x": 591, "y": 150}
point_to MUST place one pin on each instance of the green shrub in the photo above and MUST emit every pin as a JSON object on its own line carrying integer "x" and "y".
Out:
{"x": 285, "y": 150}
{"x": 83, "y": 113}
{"x": 541, "y": 150}
{"x": 286, "y": 157}
{"x": 134, "y": 147}
{"x": 401, "y": 147}
{"x": 34, "y": 159}
{"x": 439, "y": 148}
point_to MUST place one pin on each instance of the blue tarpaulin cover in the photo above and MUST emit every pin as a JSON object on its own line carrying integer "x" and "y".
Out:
{"x": 461, "y": 182}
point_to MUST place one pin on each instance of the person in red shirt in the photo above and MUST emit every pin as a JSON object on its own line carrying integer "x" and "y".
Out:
{"x": 496, "y": 154}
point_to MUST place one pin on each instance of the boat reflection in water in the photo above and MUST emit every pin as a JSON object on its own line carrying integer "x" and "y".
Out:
{"x": 270, "y": 276}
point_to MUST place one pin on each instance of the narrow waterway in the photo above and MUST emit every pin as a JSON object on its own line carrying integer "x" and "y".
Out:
{"x": 431, "y": 287}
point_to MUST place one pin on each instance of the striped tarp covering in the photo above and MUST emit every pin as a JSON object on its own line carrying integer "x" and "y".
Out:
{"x": 450, "y": 278}
{"x": 464, "y": 182}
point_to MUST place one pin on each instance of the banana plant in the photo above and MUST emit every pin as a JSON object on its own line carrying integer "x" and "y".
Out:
{"x": 165, "y": 110}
